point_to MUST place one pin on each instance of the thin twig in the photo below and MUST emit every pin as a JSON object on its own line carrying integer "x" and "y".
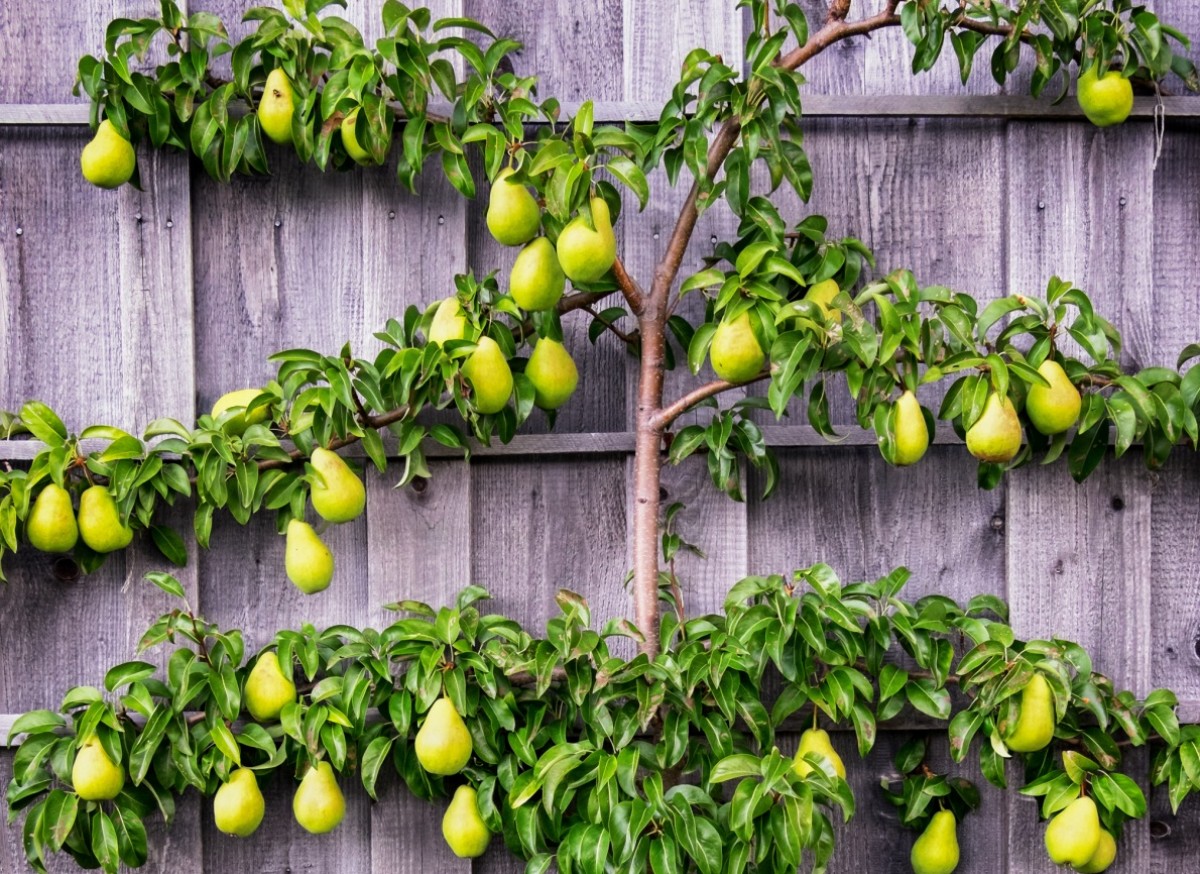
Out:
{"x": 626, "y": 338}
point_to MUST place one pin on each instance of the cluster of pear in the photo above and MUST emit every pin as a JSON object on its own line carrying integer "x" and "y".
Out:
{"x": 585, "y": 252}
{"x": 338, "y": 495}
{"x": 53, "y": 526}
{"x": 443, "y": 747}
{"x": 277, "y": 108}
{"x": 1052, "y": 409}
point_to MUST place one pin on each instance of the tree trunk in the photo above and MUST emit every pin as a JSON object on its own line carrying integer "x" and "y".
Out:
{"x": 647, "y": 474}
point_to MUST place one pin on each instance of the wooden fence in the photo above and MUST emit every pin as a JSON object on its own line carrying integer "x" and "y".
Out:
{"x": 120, "y": 307}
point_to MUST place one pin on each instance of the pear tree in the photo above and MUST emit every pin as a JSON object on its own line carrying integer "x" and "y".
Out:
{"x": 600, "y": 771}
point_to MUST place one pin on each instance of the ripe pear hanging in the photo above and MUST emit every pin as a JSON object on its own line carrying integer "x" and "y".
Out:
{"x": 513, "y": 216}
{"x": 462, "y": 826}
{"x": 936, "y": 850}
{"x": 307, "y": 560}
{"x": 268, "y": 691}
{"x": 490, "y": 377}
{"x": 449, "y": 322}
{"x": 108, "y": 160}
{"x": 735, "y": 353}
{"x": 338, "y": 495}
{"x": 94, "y": 776}
{"x": 276, "y": 107}
{"x": 318, "y": 804}
{"x": 443, "y": 743}
{"x": 238, "y": 805}
{"x": 553, "y": 374}
{"x": 588, "y": 249}
{"x": 100, "y": 521}
{"x": 51, "y": 525}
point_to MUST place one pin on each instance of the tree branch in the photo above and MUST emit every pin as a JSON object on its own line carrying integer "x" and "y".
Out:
{"x": 669, "y": 414}
{"x": 629, "y": 287}
{"x": 626, "y": 338}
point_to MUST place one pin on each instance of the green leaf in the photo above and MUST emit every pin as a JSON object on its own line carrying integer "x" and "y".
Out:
{"x": 43, "y": 423}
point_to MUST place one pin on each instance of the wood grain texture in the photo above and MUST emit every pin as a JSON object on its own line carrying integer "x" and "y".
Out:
{"x": 1079, "y": 556}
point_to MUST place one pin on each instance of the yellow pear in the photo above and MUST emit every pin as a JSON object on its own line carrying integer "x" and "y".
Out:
{"x": 238, "y": 806}
{"x": 513, "y": 216}
{"x": 735, "y": 354}
{"x": 338, "y": 495}
{"x": 1054, "y": 409}
{"x": 822, "y": 294}
{"x": 816, "y": 741}
{"x": 587, "y": 250}
{"x": 108, "y": 160}
{"x": 1105, "y": 855}
{"x": 443, "y": 744}
{"x": 350, "y": 140}
{"x": 51, "y": 525}
{"x": 449, "y": 322}
{"x": 552, "y": 373}
{"x": 1073, "y": 836}
{"x": 1106, "y": 100}
{"x": 936, "y": 850}
{"x": 996, "y": 436}
{"x": 308, "y": 561}
{"x": 277, "y": 106}
{"x": 911, "y": 432}
{"x": 100, "y": 521}
{"x": 94, "y": 776}
{"x": 1034, "y": 728}
{"x": 318, "y": 804}
{"x": 490, "y": 376}
{"x": 463, "y": 827}
{"x": 536, "y": 282}
{"x": 267, "y": 691}
{"x": 238, "y": 401}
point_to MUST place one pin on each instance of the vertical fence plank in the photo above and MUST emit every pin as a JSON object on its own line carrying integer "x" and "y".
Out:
{"x": 93, "y": 286}
{"x": 1079, "y": 557}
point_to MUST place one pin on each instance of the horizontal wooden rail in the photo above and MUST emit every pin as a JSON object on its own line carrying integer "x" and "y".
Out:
{"x": 999, "y": 106}
{"x": 909, "y": 720}
{"x": 583, "y": 443}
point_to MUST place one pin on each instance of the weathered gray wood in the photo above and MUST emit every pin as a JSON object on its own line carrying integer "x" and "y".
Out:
{"x": 1079, "y": 557}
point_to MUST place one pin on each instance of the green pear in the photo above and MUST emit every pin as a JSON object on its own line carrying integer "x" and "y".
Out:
{"x": 350, "y": 140}
{"x": 51, "y": 525}
{"x": 536, "y": 282}
{"x": 108, "y": 160}
{"x": 996, "y": 436}
{"x": 1073, "y": 836}
{"x": 338, "y": 495}
{"x": 1105, "y": 855}
{"x": 822, "y": 294}
{"x": 1106, "y": 100}
{"x": 1034, "y": 728}
{"x": 267, "y": 690}
{"x": 449, "y": 322}
{"x": 238, "y": 806}
{"x": 1054, "y": 409}
{"x": 816, "y": 741}
{"x": 552, "y": 373}
{"x": 490, "y": 376}
{"x": 735, "y": 354}
{"x": 238, "y": 401}
{"x": 318, "y": 804}
{"x": 308, "y": 561}
{"x": 94, "y": 776}
{"x": 443, "y": 744}
{"x": 911, "y": 437}
{"x": 587, "y": 250}
{"x": 277, "y": 106}
{"x": 936, "y": 850}
{"x": 463, "y": 827}
{"x": 513, "y": 216}
{"x": 100, "y": 521}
